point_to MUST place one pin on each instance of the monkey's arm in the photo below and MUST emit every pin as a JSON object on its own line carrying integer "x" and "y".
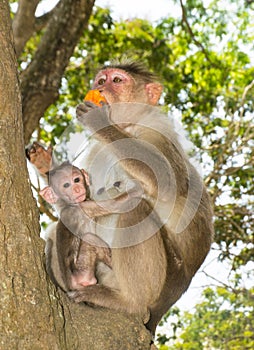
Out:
{"x": 78, "y": 218}
{"x": 92, "y": 249}
{"x": 141, "y": 158}
{"x": 122, "y": 203}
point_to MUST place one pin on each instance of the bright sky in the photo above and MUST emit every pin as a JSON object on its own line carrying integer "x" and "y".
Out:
{"x": 151, "y": 10}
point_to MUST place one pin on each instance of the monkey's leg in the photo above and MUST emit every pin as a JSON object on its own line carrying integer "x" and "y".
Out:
{"x": 104, "y": 296}
{"x": 139, "y": 270}
{"x": 92, "y": 249}
{"x": 104, "y": 255}
{"x": 99, "y": 295}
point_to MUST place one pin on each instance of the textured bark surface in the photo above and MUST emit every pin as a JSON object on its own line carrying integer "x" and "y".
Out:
{"x": 26, "y": 314}
{"x": 33, "y": 315}
{"x": 89, "y": 328}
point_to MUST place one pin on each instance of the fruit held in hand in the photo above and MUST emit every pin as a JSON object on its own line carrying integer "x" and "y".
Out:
{"x": 95, "y": 97}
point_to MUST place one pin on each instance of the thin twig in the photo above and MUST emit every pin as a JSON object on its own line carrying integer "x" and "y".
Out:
{"x": 198, "y": 43}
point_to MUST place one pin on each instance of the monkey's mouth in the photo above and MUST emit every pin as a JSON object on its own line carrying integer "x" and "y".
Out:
{"x": 102, "y": 100}
{"x": 79, "y": 199}
{"x": 105, "y": 101}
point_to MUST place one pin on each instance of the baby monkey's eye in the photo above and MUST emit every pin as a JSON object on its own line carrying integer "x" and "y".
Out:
{"x": 117, "y": 80}
{"x": 77, "y": 179}
{"x": 66, "y": 185}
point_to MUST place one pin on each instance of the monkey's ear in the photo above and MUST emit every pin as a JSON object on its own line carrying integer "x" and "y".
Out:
{"x": 153, "y": 91}
{"x": 86, "y": 176}
{"x": 49, "y": 195}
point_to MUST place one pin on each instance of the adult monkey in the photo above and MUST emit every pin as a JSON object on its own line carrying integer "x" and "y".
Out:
{"x": 154, "y": 268}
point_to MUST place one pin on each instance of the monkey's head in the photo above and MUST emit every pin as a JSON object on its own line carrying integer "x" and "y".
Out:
{"x": 128, "y": 82}
{"x": 68, "y": 183}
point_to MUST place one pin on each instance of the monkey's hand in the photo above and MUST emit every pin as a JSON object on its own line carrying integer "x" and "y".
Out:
{"x": 93, "y": 117}
{"x": 86, "y": 107}
{"x": 40, "y": 157}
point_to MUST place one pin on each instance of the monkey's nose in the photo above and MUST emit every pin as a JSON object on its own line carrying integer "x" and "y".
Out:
{"x": 76, "y": 189}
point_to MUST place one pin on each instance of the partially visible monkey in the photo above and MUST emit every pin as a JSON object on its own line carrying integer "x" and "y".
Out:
{"x": 175, "y": 218}
{"x": 74, "y": 251}
{"x": 40, "y": 157}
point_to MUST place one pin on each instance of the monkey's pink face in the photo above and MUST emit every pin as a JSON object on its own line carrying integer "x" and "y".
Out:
{"x": 72, "y": 187}
{"x": 115, "y": 85}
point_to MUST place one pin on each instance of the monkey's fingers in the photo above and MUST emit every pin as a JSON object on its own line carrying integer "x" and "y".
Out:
{"x": 40, "y": 157}
{"x": 95, "y": 119}
{"x": 32, "y": 149}
{"x": 83, "y": 108}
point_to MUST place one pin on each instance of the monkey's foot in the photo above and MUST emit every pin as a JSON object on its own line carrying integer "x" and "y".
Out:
{"x": 40, "y": 157}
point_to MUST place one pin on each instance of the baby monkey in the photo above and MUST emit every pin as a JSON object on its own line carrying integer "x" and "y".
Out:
{"x": 73, "y": 251}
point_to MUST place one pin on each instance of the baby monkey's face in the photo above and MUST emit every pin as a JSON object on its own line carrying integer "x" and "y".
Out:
{"x": 70, "y": 185}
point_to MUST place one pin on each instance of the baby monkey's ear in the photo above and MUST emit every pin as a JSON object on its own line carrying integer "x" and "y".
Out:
{"x": 86, "y": 176}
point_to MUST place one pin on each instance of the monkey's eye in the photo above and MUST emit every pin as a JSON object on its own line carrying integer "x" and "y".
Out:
{"x": 101, "y": 81}
{"x": 117, "y": 80}
{"x": 66, "y": 185}
{"x": 77, "y": 179}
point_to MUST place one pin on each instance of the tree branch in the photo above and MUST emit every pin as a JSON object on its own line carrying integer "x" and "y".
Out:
{"x": 42, "y": 21}
{"x": 198, "y": 43}
{"x": 41, "y": 81}
{"x": 23, "y": 23}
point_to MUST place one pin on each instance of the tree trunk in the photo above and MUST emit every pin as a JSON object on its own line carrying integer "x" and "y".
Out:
{"x": 33, "y": 314}
{"x": 26, "y": 313}
{"x": 41, "y": 81}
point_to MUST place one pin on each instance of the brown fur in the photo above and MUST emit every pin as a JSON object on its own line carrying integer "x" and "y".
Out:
{"x": 175, "y": 228}
{"x": 73, "y": 252}
{"x": 151, "y": 275}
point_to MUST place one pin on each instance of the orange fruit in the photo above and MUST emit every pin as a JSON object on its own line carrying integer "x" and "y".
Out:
{"x": 95, "y": 97}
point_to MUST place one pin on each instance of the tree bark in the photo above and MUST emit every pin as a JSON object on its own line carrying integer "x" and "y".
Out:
{"x": 33, "y": 314}
{"x": 41, "y": 81}
{"x": 26, "y": 314}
